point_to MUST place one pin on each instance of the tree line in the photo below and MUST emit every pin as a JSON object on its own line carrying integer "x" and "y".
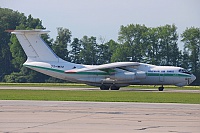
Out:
{"x": 136, "y": 42}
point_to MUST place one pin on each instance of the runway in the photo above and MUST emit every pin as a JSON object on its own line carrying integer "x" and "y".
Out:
{"x": 97, "y": 117}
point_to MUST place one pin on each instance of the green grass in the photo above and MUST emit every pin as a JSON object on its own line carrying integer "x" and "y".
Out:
{"x": 100, "y": 96}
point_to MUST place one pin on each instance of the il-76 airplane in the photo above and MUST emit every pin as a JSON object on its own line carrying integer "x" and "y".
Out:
{"x": 107, "y": 76}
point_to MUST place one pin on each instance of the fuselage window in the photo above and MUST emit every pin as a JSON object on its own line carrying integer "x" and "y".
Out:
{"x": 170, "y": 71}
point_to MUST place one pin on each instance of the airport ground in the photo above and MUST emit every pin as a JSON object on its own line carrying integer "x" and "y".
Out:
{"x": 99, "y": 117}
{"x": 25, "y": 116}
{"x": 196, "y": 89}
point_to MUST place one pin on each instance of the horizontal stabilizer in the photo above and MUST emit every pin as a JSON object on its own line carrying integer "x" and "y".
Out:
{"x": 35, "y": 31}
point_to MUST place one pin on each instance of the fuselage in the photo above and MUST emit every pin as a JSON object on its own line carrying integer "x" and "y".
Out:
{"x": 145, "y": 74}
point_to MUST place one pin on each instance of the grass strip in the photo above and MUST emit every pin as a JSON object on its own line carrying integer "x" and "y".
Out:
{"x": 100, "y": 96}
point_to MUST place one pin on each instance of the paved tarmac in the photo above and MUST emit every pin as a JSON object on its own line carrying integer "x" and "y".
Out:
{"x": 97, "y": 117}
{"x": 97, "y": 89}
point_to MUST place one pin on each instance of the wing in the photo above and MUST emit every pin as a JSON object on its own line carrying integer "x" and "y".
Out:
{"x": 105, "y": 67}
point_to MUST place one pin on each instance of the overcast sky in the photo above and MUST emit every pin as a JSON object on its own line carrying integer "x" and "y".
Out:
{"x": 103, "y": 18}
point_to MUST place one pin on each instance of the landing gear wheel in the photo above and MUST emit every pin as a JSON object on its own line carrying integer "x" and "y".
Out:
{"x": 113, "y": 87}
{"x": 103, "y": 87}
{"x": 161, "y": 88}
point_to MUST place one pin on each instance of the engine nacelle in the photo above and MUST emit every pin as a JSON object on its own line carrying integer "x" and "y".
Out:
{"x": 140, "y": 75}
{"x": 123, "y": 76}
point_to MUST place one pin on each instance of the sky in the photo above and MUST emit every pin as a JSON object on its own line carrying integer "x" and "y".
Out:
{"x": 103, "y": 18}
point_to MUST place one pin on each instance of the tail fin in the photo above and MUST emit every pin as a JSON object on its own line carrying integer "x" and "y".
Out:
{"x": 35, "y": 48}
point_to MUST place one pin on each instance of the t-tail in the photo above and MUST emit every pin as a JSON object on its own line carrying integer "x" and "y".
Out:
{"x": 34, "y": 46}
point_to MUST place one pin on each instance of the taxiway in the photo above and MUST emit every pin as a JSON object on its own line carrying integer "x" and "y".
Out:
{"x": 98, "y": 117}
{"x": 96, "y": 89}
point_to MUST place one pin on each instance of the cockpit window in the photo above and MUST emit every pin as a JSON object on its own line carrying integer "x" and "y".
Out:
{"x": 184, "y": 71}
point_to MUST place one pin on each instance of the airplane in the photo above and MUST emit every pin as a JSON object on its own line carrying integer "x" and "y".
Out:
{"x": 41, "y": 58}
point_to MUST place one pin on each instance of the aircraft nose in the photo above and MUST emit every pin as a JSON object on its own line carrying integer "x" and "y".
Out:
{"x": 193, "y": 77}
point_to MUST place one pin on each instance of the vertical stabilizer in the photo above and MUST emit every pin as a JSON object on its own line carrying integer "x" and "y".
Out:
{"x": 35, "y": 48}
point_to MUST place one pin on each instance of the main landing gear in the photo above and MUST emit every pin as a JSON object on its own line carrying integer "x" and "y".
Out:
{"x": 113, "y": 87}
{"x": 161, "y": 88}
{"x": 104, "y": 87}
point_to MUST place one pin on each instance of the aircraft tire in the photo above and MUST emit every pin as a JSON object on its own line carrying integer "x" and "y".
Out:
{"x": 104, "y": 87}
{"x": 113, "y": 87}
{"x": 161, "y": 88}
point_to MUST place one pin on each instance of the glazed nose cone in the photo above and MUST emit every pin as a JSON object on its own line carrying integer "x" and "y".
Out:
{"x": 192, "y": 78}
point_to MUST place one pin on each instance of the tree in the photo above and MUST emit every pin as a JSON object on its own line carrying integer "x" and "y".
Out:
{"x": 47, "y": 39}
{"x": 61, "y": 43}
{"x": 9, "y": 19}
{"x": 185, "y": 60}
{"x": 191, "y": 39}
{"x": 13, "y": 54}
{"x": 103, "y": 54}
{"x": 75, "y": 51}
{"x": 153, "y": 50}
{"x": 168, "y": 38}
{"x": 112, "y": 46}
{"x": 121, "y": 54}
{"x": 88, "y": 53}
{"x": 133, "y": 36}
{"x": 150, "y": 45}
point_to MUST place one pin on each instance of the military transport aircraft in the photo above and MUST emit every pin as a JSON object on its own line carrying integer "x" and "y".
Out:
{"x": 107, "y": 76}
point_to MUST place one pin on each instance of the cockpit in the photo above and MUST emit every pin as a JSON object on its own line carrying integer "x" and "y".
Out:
{"x": 184, "y": 71}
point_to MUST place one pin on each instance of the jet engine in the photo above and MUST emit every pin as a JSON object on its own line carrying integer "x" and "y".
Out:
{"x": 140, "y": 75}
{"x": 123, "y": 76}
{"x": 129, "y": 76}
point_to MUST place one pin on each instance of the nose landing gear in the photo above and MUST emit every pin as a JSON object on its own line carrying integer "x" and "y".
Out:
{"x": 161, "y": 88}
